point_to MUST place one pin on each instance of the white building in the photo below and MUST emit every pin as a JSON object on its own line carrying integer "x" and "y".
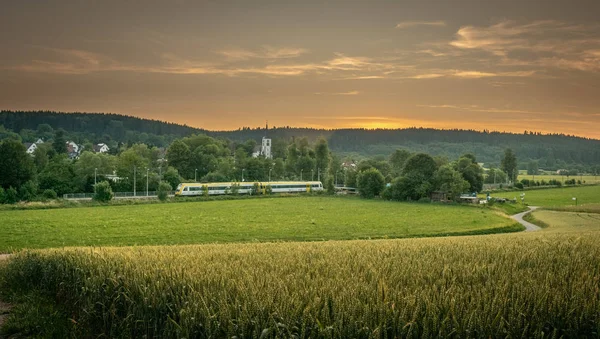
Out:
{"x": 265, "y": 149}
{"x": 31, "y": 147}
{"x": 72, "y": 147}
{"x": 101, "y": 148}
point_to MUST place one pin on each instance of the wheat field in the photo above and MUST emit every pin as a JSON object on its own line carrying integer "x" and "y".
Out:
{"x": 509, "y": 285}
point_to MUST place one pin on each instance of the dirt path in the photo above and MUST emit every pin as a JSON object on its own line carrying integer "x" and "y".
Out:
{"x": 529, "y": 227}
{"x": 4, "y": 256}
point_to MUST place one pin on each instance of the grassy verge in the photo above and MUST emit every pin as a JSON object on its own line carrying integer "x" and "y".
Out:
{"x": 589, "y": 208}
{"x": 247, "y": 220}
{"x": 568, "y": 221}
{"x": 62, "y": 203}
{"x": 532, "y": 219}
{"x": 526, "y": 285}
{"x": 509, "y": 209}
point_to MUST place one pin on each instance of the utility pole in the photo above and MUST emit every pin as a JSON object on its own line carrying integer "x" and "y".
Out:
{"x": 243, "y": 169}
{"x": 301, "y": 173}
{"x": 134, "y": 170}
{"x": 95, "y": 175}
{"x": 270, "y": 169}
{"x": 195, "y": 171}
{"x": 318, "y": 174}
{"x": 312, "y": 175}
{"x": 147, "y": 172}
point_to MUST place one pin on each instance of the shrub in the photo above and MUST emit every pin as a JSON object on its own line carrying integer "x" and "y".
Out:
{"x": 519, "y": 185}
{"x": 163, "y": 190}
{"x": 255, "y": 188}
{"x": 49, "y": 194}
{"x": 205, "y": 190}
{"x": 10, "y": 196}
{"x": 329, "y": 185}
{"x": 268, "y": 189}
{"x": 28, "y": 191}
{"x": 235, "y": 188}
{"x": 103, "y": 192}
{"x": 2, "y": 195}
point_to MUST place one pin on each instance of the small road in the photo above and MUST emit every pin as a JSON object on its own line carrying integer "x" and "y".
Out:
{"x": 529, "y": 227}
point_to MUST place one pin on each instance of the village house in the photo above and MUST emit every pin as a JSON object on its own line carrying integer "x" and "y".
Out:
{"x": 30, "y": 147}
{"x": 101, "y": 148}
{"x": 72, "y": 149}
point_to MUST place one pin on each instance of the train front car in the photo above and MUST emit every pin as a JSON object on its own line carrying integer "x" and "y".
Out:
{"x": 178, "y": 190}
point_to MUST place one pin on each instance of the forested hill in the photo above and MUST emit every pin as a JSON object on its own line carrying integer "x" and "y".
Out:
{"x": 551, "y": 151}
{"x": 95, "y": 125}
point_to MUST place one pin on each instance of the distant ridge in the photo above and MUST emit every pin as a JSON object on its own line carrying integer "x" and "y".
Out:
{"x": 80, "y": 122}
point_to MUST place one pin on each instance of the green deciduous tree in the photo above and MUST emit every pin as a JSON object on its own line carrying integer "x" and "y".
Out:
{"x": 59, "y": 142}
{"x": 412, "y": 186}
{"x": 509, "y": 164}
{"x": 41, "y": 156}
{"x": 59, "y": 176}
{"x": 16, "y": 166}
{"x": 420, "y": 163}
{"x": 370, "y": 183}
{"x": 322, "y": 157}
{"x": 532, "y": 168}
{"x": 172, "y": 177}
{"x": 397, "y": 160}
{"x": 473, "y": 173}
{"x": 449, "y": 180}
{"x": 495, "y": 176}
{"x": 178, "y": 155}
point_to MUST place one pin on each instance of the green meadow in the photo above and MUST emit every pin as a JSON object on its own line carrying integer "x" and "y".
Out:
{"x": 556, "y": 197}
{"x": 248, "y": 220}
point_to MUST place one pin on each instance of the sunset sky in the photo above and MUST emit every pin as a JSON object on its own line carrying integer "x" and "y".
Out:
{"x": 499, "y": 65}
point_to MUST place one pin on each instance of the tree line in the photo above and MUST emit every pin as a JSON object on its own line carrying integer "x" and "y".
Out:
{"x": 548, "y": 151}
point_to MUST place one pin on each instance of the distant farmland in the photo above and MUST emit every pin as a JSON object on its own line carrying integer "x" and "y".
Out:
{"x": 250, "y": 220}
{"x": 562, "y": 196}
{"x": 589, "y": 179}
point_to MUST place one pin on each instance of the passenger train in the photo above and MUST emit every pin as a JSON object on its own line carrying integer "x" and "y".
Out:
{"x": 220, "y": 188}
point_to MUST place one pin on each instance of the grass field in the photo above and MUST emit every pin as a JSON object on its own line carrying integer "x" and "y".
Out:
{"x": 556, "y": 196}
{"x": 587, "y": 208}
{"x": 289, "y": 219}
{"x": 569, "y": 221}
{"x": 511, "y": 285}
{"x": 589, "y": 179}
